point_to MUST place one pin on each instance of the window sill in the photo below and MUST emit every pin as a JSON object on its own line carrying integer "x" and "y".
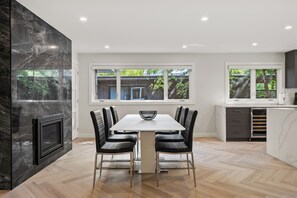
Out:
{"x": 137, "y": 103}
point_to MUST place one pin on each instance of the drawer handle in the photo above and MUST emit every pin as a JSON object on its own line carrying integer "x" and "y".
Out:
{"x": 236, "y": 121}
{"x": 237, "y": 111}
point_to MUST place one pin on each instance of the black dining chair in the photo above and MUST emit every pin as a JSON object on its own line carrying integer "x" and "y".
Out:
{"x": 177, "y": 118}
{"x": 115, "y": 137}
{"x": 115, "y": 119}
{"x": 178, "y": 148}
{"x": 104, "y": 147}
{"x": 175, "y": 137}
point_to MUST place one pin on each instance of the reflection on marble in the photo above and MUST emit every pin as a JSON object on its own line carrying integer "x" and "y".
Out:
{"x": 5, "y": 98}
{"x": 282, "y": 135}
{"x": 39, "y": 49}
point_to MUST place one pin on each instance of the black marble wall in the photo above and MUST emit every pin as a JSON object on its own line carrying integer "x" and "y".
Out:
{"x": 40, "y": 76}
{"x": 5, "y": 96}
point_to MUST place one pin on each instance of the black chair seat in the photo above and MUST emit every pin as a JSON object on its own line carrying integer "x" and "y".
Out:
{"x": 117, "y": 147}
{"x": 169, "y": 138}
{"x": 126, "y": 132}
{"x": 172, "y": 147}
{"x": 122, "y": 138}
{"x": 166, "y": 132}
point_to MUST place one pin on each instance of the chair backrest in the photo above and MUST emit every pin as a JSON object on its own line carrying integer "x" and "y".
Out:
{"x": 114, "y": 114}
{"x": 189, "y": 125}
{"x": 98, "y": 128}
{"x": 107, "y": 121}
{"x": 183, "y": 115}
{"x": 177, "y": 113}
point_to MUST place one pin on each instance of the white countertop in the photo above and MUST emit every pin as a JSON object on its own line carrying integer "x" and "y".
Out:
{"x": 258, "y": 105}
{"x": 133, "y": 122}
{"x": 281, "y": 134}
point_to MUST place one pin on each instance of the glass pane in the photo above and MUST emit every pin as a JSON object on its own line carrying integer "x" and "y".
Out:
{"x": 106, "y": 84}
{"x": 266, "y": 83}
{"x": 142, "y": 84}
{"x": 240, "y": 83}
{"x": 178, "y": 84}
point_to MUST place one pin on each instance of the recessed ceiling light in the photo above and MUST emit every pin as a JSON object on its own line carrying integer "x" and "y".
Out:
{"x": 204, "y": 19}
{"x": 107, "y": 46}
{"x": 83, "y": 19}
{"x": 184, "y": 46}
{"x": 53, "y": 47}
{"x": 254, "y": 44}
{"x": 288, "y": 27}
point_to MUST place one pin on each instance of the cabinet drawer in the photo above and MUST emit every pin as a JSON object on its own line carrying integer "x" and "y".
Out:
{"x": 238, "y": 111}
{"x": 238, "y": 120}
{"x": 238, "y": 132}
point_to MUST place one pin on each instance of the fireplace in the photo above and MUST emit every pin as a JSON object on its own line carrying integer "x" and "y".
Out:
{"x": 49, "y": 135}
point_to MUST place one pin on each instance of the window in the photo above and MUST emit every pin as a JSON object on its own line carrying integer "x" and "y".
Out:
{"x": 253, "y": 82}
{"x": 178, "y": 84}
{"x": 140, "y": 83}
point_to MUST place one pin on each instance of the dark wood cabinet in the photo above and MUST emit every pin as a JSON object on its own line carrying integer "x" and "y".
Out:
{"x": 238, "y": 124}
{"x": 291, "y": 69}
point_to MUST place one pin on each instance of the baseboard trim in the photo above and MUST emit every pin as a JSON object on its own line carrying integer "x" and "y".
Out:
{"x": 204, "y": 135}
{"x": 92, "y": 135}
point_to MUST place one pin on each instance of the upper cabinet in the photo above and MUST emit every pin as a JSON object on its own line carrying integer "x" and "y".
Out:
{"x": 291, "y": 69}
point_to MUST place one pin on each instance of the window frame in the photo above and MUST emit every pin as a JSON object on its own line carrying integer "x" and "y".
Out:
{"x": 253, "y": 66}
{"x": 117, "y": 67}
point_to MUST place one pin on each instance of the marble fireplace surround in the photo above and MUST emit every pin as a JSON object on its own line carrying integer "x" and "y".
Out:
{"x": 35, "y": 81}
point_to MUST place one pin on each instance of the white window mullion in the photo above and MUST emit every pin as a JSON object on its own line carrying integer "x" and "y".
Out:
{"x": 165, "y": 84}
{"x": 253, "y": 84}
{"x": 118, "y": 84}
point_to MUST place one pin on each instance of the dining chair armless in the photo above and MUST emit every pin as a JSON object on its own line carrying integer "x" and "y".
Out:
{"x": 175, "y": 137}
{"x": 177, "y": 118}
{"x": 103, "y": 147}
{"x": 115, "y": 118}
{"x": 177, "y": 148}
{"x": 115, "y": 137}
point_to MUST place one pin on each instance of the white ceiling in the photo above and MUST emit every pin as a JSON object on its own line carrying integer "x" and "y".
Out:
{"x": 166, "y": 25}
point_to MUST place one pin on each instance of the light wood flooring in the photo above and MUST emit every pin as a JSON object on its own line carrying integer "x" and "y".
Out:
{"x": 233, "y": 169}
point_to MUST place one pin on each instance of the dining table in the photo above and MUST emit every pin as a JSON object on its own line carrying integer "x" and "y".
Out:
{"x": 147, "y": 129}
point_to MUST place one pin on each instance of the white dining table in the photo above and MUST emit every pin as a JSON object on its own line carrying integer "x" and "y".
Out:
{"x": 147, "y": 128}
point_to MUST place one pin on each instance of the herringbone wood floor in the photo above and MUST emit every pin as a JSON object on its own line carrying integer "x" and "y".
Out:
{"x": 233, "y": 169}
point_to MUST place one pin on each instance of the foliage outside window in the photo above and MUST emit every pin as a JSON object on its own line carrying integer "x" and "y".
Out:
{"x": 266, "y": 85}
{"x": 240, "y": 83}
{"x": 253, "y": 83}
{"x": 140, "y": 84}
{"x": 178, "y": 84}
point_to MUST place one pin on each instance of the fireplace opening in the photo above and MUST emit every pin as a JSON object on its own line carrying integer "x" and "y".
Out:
{"x": 49, "y": 135}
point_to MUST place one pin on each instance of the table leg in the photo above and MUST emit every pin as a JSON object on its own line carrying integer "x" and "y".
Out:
{"x": 147, "y": 152}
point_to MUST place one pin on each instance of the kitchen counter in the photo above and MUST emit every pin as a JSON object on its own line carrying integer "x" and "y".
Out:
{"x": 258, "y": 105}
{"x": 221, "y": 119}
{"x": 282, "y": 134}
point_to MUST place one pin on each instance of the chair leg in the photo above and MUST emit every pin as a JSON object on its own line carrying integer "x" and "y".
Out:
{"x": 157, "y": 168}
{"x": 138, "y": 145}
{"x": 131, "y": 167}
{"x": 193, "y": 166}
{"x": 101, "y": 163}
{"x": 95, "y": 169}
{"x": 188, "y": 164}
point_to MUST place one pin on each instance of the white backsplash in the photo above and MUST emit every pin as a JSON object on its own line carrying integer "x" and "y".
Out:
{"x": 290, "y": 96}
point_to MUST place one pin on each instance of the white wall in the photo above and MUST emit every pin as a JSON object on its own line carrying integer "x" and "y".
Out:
{"x": 209, "y": 85}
